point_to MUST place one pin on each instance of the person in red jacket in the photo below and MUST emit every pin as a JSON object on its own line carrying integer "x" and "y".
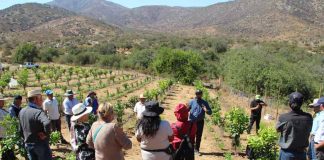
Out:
{"x": 182, "y": 125}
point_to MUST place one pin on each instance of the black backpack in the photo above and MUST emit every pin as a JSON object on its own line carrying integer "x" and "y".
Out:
{"x": 186, "y": 148}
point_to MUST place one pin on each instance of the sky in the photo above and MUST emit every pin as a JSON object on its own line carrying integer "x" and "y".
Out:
{"x": 130, "y": 3}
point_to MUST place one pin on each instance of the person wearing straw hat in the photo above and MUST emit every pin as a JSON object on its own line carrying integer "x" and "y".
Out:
{"x": 15, "y": 107}
{"x": 256, "y": 110}
{"x": 139, "y": 106}
{"x": 8, "y": 154}
{"x": 69, "y": 102}
{"x": 79, "y": 131}
{"x": 36, "y": 127}
{"x": 51, "y": 108}
{"x": 311, "y": 149}
{"x": 154, "y": 134}
{"x": 92, "y": 101}
{"x": 106, "y": 137}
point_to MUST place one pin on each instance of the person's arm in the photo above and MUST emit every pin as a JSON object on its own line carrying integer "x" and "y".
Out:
{"x": 207, "y": 108}
{"x": 89, "y": 140}
{"x": 65, "y": 105}
{"x": 73, "y": 138}
{"x": 169, "y": 131}
{"x": 319, "y": 145}
{"x": 46, "y": 122}
{"x": 121, "y": 138}
{"x": 45, "y": 108}
{"x": 279, "y": 125}
{"x": 138, "y": 135}
{"x": 12, "y": 113}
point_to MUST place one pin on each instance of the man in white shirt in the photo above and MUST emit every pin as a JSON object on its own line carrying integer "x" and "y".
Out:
{"x": 319, "y": 133}
{"x": 139, "y": 106}
{"x": 68, "y": 103}
{"x": 51, "y": 108}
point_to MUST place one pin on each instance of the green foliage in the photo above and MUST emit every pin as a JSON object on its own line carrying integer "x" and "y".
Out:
{"x": 23, "y": 78}
{"x": 26, "y": 52}
{"x": 236, "y": 122}
{"x": 13, "y": 138}
{"x": 216, "y": 115}
{"x": 274, "y": 69}
{"x": 228, "y": 156}
{"x": 264, "y": 145}
{"x": 55, "y": 138}
{"x": 4, "y": 81}
{"x": 184, "y": 66}
{"x": 131, "y": 102}
{"x": 92, "y": 118}
{"x": 48, "y": 54}
{"x": 70, "y": 156}
{"x": 119, "y": 111}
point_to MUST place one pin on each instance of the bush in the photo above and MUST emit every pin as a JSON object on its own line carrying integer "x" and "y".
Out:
{"x": 26, "y": 52}
{"x": 236, "y": 122}
{"x": 184, "y": 66}
{"x": 267, "y": 70}
{"x": 263, "y": 146}
{"x": 49, "y": 54}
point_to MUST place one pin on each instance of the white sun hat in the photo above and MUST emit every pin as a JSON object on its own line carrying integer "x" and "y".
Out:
{"x": 80, "y": 110}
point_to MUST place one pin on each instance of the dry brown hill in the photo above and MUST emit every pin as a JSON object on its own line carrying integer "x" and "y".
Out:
{"x": 44, "y": 23}
{"x": 271, "y": 19}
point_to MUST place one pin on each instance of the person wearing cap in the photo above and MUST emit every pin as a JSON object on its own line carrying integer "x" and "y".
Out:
{"x": 139, "y": 106}
{"x": 154, "y": 134}
{"x": 106, "y": 137}
{"x": 256, "y": 110}
{"x": 198, "y": 108}
{"x": 15, "y": 107}
{"x": 92, "y": 101}
{"x": 294, "y": 128}
{"x": 319, "y": 133}
{"x": 69, "y": 102}
{"x": 35, "y": 127}
{"x": 51, "y": 108}
{"x": 311, "y": 149}
{"x": 9, "y": 154}
{"x": 79, "y": 131}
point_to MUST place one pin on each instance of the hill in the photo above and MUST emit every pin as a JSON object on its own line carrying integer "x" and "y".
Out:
{"x": 49, "y": 24}
{"x": 273, "y": 19}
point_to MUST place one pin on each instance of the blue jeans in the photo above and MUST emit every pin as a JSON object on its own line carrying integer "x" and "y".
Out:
{"x": 39, "y": 151}
{"x": 311, "y": 150}
{"x": 68, "y": 120}
{"x": 291, "y": 155}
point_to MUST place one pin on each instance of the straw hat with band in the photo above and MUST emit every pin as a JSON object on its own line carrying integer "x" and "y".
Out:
{"x": 152, "y": 109}
{"x": 80, "y": 110}
{"x": 142, "y": 96}
{"x": 69, "y": 93}
{"x": 34, "y": 93}
{"x": 2, "y": 98}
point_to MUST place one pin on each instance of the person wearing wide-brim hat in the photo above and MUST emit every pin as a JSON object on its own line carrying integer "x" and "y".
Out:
{"x": 69, "y": 102}
{"x": 92, "y": 101}
{"x": 36, "y": 127}
{"x": 153, "y": 133}
{"x": 139, "y": 106}
{"x": 9, "y": 154}
{"x": 79, "y": 131}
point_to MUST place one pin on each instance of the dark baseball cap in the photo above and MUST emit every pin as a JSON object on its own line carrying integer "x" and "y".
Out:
{"x": 198, "y": 91}
{"x": 319, "y": 102}
{"x": 296, "y": 98}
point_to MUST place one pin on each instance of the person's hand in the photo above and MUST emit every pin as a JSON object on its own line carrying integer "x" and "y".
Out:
{"x": 316, "y": 146}
{"x": 42, "y": 136}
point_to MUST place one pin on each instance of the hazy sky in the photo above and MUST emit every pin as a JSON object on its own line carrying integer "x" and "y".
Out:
{"x": 130, "y": 3}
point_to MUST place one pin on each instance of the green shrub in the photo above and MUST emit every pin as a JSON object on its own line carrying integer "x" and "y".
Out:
{"x": 236, "y": 122}
{"x": 264, "y": 146}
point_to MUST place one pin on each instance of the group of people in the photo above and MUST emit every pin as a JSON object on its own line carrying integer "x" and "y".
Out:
{"x": 104, "y": 140}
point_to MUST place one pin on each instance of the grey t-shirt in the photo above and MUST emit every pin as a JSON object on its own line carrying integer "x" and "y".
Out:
{"x": 295, "y": 128}
{"x": 33, "y": 121}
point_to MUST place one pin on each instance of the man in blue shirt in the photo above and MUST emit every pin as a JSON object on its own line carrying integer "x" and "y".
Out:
{"x": 198, "y": 107}
{"x": 311, "y": 149}
{"x": 15, "y": 107}
{"x": 92, "y": 101}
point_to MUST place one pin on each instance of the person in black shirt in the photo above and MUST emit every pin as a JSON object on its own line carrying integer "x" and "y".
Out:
{"x": 256, "y": 110}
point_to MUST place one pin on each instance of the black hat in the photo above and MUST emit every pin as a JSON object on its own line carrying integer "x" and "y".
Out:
{"x": 152, "y": 109}
{"x": 296, "y": 100}
{"x": 198, "y": 92}
{"x": 18, "y": 97}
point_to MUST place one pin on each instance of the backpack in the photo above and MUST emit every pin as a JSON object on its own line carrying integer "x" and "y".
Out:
{"x": 186, "y": 148}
